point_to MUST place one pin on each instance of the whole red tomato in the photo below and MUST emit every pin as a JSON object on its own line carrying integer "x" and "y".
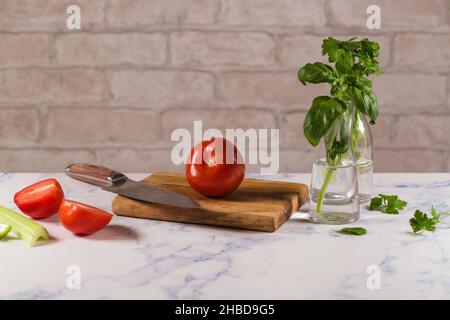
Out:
{"x": 40, "y": 200}
{"x": 81, "y": 219}
{"x": 215, "y": 167}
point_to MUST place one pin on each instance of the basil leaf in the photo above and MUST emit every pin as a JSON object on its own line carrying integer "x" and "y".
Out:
{"x": 345, "y": 61}
{"x": 316, "y": 73}
{"x": 355, "y": 231}
{"x": 351, "y": 45}
{"x": 337, "y": 139}
{"x": 366, "y": 102}
{"x": 331, "y": 139}
{"x": 370, "y": 47}
{"x": 320, "y": 117}
{"x": 360, "y": 83}
{"x": 330, "y": 47}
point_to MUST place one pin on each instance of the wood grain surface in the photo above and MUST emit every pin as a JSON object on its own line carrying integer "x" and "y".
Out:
{"x": 260, "y": 205}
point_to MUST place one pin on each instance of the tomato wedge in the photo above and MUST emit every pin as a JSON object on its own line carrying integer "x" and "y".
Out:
{"x": 81, "y": 219}
{"x": 40, "y": 200}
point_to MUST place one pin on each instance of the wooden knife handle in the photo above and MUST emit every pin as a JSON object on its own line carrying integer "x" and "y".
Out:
{"x": 95, "y": 175}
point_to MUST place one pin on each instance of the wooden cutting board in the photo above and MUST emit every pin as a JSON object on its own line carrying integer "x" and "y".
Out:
{"x": 259, "y": 205}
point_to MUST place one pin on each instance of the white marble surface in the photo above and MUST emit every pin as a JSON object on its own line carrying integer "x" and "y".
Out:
{"x": 143, "y": 259}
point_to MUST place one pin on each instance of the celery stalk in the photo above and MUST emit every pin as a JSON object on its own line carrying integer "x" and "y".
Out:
{"x": 5, "y": 232}
{"x": 28, "y": 230}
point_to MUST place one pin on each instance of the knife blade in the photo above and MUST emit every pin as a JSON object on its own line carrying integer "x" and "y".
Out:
{"x": 116, "y": 182}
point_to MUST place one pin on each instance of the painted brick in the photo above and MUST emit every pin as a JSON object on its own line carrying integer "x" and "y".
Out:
{"x": 161, "y": 86}
{"x": 291, "y": 131}
{"x": 269, "y": 87}
{"x": 18, "y": 126}
{"x": 298, "y": 13}
{"x": 42, "y": 85}
{"x": 132, "y": 160}
{"x": 409, "y": 161}
{"x": 43, "y": 160}
{"x": 19, "y": 50}
{"x": 299, "y": 161}
{"x": 410, "y": 90}
{"x": 222, "y": 48}
{"x": 137, "y": 13}
{"x": 422, "y": 51}
{"x": 100, "y": 126}
{"x": 382, "y": 131}
{"x": 424, "y": 131}
{"x": 106, "y": 49}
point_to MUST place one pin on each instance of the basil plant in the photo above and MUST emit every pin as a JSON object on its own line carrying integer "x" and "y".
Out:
{"x": 330, "y": 117}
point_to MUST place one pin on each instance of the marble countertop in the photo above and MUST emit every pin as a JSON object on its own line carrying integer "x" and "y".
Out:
{"x": 144, "y": 259}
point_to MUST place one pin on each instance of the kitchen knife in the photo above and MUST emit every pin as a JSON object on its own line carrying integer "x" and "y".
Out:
{"x": 119, "y": 183}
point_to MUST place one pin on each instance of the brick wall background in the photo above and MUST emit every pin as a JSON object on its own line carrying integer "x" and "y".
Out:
{"x": 113, "y": 92}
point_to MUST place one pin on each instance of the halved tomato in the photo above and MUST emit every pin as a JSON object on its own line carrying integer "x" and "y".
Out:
{"x": 40, "y": 200}
{"x": 81, "y": 219}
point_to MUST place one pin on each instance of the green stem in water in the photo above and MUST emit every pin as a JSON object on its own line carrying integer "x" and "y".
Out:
{"x": 324, "y": 189}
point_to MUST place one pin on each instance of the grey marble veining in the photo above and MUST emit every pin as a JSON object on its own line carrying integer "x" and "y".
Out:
{"x": 144, "y": 259}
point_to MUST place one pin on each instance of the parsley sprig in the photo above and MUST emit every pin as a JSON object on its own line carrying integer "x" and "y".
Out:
{"x": 422, "y": 222}
{"x": 390, "y": 204}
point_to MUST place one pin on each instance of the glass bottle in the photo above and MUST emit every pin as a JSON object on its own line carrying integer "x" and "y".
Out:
{"x": 362, "y": 146}
{"x": 334, "y": 197}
